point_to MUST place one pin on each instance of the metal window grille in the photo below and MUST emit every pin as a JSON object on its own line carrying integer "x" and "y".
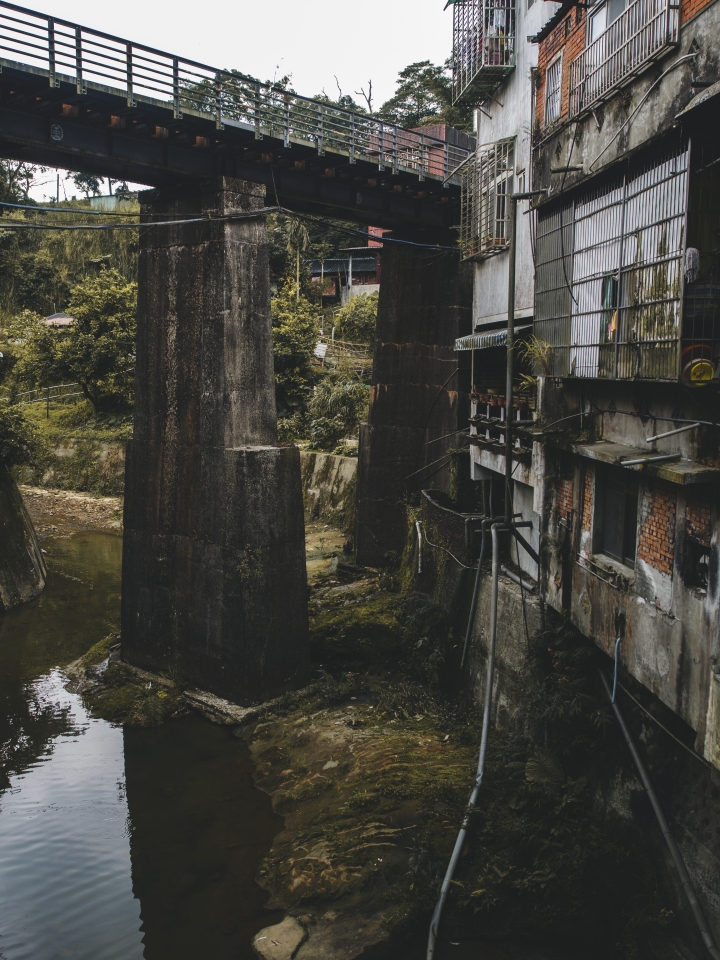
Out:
{"x": 484, "y": 216}
{"x": 553, "y": 86}
{"x": 637, "y": 37}
{"x": 609, "y": 281}
{"x": 483, "y": 45}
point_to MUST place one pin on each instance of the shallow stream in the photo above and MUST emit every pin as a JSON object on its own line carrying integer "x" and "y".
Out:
{"x": 115, "y": 844}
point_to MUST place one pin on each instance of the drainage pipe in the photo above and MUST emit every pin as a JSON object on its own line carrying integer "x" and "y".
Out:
{"x": 675, "y": 854}
{"x": 460, "y": 842}
{"x": 516, "y": 579}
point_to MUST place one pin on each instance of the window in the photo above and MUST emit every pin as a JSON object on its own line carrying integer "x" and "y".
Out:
{"x": 616, "y": 516}
{"x": 484, "y": 213}
{"x": 553, "y": 87}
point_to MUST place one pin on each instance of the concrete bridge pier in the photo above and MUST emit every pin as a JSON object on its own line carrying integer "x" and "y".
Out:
{"x": 214, "y": 581}
{"x": 425, "y": 303}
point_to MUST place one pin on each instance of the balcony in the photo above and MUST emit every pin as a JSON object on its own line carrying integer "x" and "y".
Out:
{"x": 483, "y": 46}
{"x": 645, "y": 30}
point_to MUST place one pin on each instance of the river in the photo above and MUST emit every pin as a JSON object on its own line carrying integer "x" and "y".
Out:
{"x": 115, "y": 844}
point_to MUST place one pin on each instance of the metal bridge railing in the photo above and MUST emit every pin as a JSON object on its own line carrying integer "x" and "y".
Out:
{"x": 70, "y": 53}
{"x": 638, "y": 36}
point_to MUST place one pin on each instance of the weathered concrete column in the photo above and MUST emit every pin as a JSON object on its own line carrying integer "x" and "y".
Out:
{"x": 214, "y": 581}
{"x": 425, "y": 303}
{"x": 22, "y": 568}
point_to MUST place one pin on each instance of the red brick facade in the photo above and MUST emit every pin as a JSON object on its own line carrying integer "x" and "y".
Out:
{"x": 656, "y": 544}
{"x": 697, "y": 519}
{"x": 587, "y": 500}
{"x": 564, "y": 499}
{"x": 569, "y": 37}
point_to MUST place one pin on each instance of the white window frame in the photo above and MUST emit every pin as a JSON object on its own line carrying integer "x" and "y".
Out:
{"x": 555, "y": 64}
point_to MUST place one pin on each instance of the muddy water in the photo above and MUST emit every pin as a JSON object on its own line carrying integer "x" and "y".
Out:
{"x": 115, "y": 844}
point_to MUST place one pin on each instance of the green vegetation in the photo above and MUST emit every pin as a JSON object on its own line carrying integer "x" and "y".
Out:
{"x": 357, "y": 319}
{"x": 97, "y": 351}
{"x": 18, "y": 439}
{"x": 423, "y": 96}
{"x": 295, "y": 334}
{"x": 336, "y": 408}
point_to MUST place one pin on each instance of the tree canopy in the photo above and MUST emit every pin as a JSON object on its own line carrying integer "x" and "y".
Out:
{"x": 423, "y": 95}
{"x": 356, "y": 320}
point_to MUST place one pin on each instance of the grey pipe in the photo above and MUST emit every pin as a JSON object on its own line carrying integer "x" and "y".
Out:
{"x": 677, "y": 859}
{"x": 476, "y": 588}
{"x": 516, "y": 579}
{"x": 460, "y": 842}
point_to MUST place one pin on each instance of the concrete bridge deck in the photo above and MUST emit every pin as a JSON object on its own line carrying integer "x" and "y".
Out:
{"x": 88, "y": 101}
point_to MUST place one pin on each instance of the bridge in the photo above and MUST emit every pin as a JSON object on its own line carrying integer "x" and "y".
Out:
{"x": 78, "y": 98}
{"x": 214, "y": 583}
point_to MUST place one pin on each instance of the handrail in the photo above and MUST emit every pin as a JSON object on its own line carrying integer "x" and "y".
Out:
{"x": 92, "y": 59}
{"x": 638, "y": 36}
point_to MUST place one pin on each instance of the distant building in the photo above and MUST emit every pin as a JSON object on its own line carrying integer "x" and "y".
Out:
{"x": 357, "y": 273}
{"x": 59, "y": 320}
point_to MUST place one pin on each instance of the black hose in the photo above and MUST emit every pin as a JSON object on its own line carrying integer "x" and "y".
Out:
{"x": 675, "y": 854}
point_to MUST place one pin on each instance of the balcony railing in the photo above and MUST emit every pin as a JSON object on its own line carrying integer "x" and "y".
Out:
{"x": 635, "y": 39}
{"x": 483, "y": 47}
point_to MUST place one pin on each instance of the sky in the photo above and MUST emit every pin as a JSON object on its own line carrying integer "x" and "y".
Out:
{"x": 269, "y": 38}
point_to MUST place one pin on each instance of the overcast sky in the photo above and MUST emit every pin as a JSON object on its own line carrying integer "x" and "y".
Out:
{"x": 269, "y": 38}
{"x": 312, "y": 41}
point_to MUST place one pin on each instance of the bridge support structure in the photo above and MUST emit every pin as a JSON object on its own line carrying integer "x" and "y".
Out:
{"x": 418, "y": 393}
{"x": 214, "y": 580}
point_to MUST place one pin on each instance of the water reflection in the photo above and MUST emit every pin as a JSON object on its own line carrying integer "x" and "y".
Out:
{"x": 115, "y": 844}
{"x": 199, "y": 828}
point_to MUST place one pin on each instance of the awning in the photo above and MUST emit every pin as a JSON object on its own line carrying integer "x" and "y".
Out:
{"x": 483, "y": 341}
{"x": 701, "y": 98}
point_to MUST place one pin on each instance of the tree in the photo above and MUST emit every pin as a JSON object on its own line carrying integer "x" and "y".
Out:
{"x": 357, "y": 319}
{"x": 97, "y": 351}
{"x": 423, "y": 96}
{"x": 298, "y": 240}
{"x": 335, "y": 410}
{"x": 16, "y": 178}
{"x": 18, "y": 440}
{"x": 87, "y": 184}
{"x": 295, "y": 335}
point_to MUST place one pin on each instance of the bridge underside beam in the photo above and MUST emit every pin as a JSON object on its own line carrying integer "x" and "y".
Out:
{"x": 214, "y": 580}
{"x": 98, "y": 133}
{"x": 418, "y": 394}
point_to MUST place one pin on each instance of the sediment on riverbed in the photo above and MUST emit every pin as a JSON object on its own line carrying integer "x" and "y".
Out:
{"x": 371, "y": 767}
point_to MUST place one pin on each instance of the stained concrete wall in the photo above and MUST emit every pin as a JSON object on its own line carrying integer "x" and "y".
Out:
{"x": 214, "y": 584}
{"x": 22, "y": 568}
{"x": 416, "y": 397}
{"x": 328, "y": 484}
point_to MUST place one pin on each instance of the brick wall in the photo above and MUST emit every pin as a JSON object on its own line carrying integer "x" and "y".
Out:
{"x": 569, "y": 36}
{"x": 656, "y": 544}
{"x": 697, "y": 518}
{"x": 587, "y": 500}
{"x": 564, "y": 498}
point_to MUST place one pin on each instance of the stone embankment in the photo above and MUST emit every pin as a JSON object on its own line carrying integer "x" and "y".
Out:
{"x": 22, "y": 568}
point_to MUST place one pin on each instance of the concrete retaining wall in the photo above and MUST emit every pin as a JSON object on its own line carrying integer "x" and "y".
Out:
{"x": 328, "y": 484}
{"x": 22, "y": 569}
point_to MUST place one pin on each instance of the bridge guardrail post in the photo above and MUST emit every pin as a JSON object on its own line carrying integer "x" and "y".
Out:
{"x": 258, "y": 134}
{"x": 286, "y": 126}
{"x": 130, "y": 96}
{"x": 381, "y": 148}
{"x": 177, "y": 110}
{"x": 321, "y": 131}
{"x": 395, "y": 158}
{"x": 352, "y": 137}
{"x": 80, "y": 84}
{"x": 219, "y": 125}
{"x": 421, "y": 165}
{"x": 54, "y": 82}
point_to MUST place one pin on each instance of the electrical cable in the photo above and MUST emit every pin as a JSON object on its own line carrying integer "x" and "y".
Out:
{"x": 427, "y": 419}
{"x": 688, "y": 56}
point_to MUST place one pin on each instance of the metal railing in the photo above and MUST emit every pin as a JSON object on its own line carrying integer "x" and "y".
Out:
{"x": 90, "y": 60}
{"x": 483, "y": 45}
{"x": 59, "y": 392}
{"x": 638, "y": 36}
{"x": 484, "y": 208}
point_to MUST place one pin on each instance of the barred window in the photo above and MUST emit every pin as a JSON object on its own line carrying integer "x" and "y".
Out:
{"x": 553, "y": 87}
{"x": 486, "y": 184}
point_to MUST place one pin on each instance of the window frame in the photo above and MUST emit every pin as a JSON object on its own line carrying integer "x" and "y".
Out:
{"x": 555, "y": 63}
{"x": 609, "y": 481}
